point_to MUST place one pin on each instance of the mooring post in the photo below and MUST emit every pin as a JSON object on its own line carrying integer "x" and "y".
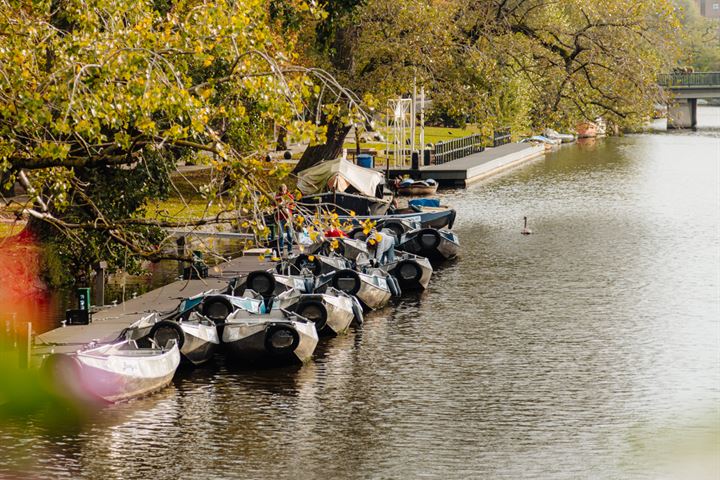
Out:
{"x": 24, "y": 342}
{"x": 99, "y": 284}
{"x": 181, "y": 253}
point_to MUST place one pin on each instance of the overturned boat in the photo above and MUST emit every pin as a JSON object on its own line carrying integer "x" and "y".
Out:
{"x": 431, "y": 243}
{"x": 276, "y": 337}
{"x": 112, "y": 372}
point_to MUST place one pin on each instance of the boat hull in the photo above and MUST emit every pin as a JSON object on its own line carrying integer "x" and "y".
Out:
{"x": 247, "y": 341}
{"x": 115, "y": 377}
{"x": 430, "y": 243}
{"x": 418, "y": 190}
{"x": 412, "y": 272}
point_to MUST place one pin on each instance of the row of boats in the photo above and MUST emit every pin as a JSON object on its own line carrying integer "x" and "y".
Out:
{"x": 267, "y": 318}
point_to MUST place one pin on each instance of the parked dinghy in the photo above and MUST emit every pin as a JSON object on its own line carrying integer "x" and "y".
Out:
{"x": 195, "y": 335}
{"x": 373, "y": 290}
{"x": 431, "y": 243}
{"x": 412, "y": 272}
{"x": 417, "y": 187}
{"x": 277, "y": 337}
{"x": 113, "y": 372}
{"x": 332, "y": 312}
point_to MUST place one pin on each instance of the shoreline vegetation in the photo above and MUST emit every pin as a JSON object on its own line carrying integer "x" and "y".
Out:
{"x": 104, "y": 105}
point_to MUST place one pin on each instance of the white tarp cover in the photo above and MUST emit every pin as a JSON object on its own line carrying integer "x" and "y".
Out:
{"x": 338, "y": 175}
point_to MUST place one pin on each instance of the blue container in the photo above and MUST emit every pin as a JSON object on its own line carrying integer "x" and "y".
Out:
{"x": 365, "y": 160}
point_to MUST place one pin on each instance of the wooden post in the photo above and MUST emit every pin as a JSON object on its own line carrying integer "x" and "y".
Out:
{"x": 99, "y": 284}
{"x": 24, "y": 342}
{"x": 181, "y": 252}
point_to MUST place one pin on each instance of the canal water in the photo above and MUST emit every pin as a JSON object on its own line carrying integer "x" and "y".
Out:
{"x": 589, "y": 349}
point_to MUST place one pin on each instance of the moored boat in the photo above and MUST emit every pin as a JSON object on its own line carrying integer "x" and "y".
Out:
{"x": 417, "y": 187}
{"x": 372, "y": 290}
{"x": 332, "y": 312}
{"x": 340, "y": 185}
{"x": 412, "y": 272}
{"x": 195, "y": 335}
{"x": 113, "y": 372}
{"x": 431, "y": 243}
{"x": 276, "y": 337}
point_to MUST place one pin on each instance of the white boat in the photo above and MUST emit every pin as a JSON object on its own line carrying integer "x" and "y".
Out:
{"x": 332, "y": 311}
{"x": 563, "y": 137}
{"x": 277, "y": 337}
{"x": 373, "y": 290}
{"x": 113, "y": 372}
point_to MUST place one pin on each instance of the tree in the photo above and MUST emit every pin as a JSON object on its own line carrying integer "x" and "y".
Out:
{"x": 100, "y": 99}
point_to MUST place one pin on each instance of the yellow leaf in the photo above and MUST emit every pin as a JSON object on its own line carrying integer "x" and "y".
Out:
{"x": 311, "y": 258}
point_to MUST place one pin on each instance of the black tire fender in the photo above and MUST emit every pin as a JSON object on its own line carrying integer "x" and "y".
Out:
{"x": 275, "y": 329}
{"x": 407, "y": 272}
{"x": 340, "y": 281}
{"x": 428, "y": 239}
{"x": 303, "y": 261}
{"x": 395, "y": 226}
{"x": 214, "y": 308}
{"x": 164, "y": 325}
{"x": 320, "y": 321}
{"x": 262, "y": 282}
{"x": 358, "y": 234}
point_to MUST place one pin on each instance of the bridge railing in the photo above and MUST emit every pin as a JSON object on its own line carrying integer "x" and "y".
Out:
{"x": 689, "y": 80}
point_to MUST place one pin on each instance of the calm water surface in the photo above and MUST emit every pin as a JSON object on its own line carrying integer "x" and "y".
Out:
{"x": 587, "y": 350}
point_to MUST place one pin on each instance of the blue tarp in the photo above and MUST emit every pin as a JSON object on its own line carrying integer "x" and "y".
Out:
{"x": 425, "y": 202}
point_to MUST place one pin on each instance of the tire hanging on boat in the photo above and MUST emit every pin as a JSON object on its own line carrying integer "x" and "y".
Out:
{"x": 303, "y": 261}
{"x": 341, "y": 281}
{"x": 408, "y": 273}
{"x": 216, "y": 309}
{"x": 262, "y": 282}
{"x": 358, "y": 234}
{"x": 395, "y": 226}
{"x": 280, "y": 339}
{"x": 428, "y": 239}
{"x": 164, "y": 331}
{"x": 314, "y": 311}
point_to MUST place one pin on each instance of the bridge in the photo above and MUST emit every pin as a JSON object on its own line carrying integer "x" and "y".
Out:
{"x": 687, "y": 88}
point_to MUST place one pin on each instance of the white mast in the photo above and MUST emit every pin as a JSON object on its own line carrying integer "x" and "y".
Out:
{"x": 422, "y": 121}
{"x": 413, "y": 118}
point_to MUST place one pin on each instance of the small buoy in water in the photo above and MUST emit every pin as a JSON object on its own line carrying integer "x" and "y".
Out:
{"x": 526, "y": 230}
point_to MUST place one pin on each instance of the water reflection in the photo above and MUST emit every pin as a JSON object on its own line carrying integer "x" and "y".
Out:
{"x": 575, "y": 352}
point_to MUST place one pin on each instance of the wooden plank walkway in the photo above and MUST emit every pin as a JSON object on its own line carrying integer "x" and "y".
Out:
{"x": 108, "y": 323}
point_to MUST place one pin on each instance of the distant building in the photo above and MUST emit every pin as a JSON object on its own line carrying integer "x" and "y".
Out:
{"x": 709, "y": 8}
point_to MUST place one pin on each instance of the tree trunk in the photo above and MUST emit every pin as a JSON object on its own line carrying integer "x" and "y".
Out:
{"x": 331, "y": 149}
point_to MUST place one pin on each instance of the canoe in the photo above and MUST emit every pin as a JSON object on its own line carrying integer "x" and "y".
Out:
{"x": 196, "y": 335}
{"x": 113, "y": 372}
{"x": 277, "y": 337}
{"x": 430, "y": 243}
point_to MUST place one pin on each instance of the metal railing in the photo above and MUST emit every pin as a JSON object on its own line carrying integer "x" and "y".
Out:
{"x": 454, "y": 149}
{"x": 501, "y": 136}
{"x": 689, "y": 80}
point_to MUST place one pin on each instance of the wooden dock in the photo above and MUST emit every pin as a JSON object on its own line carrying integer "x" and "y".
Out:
{"x": 478, "y": 166}
{"x": 109, "y": 322}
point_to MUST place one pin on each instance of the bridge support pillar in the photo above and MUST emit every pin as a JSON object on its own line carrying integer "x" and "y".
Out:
{"x": 683, "y": 113}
